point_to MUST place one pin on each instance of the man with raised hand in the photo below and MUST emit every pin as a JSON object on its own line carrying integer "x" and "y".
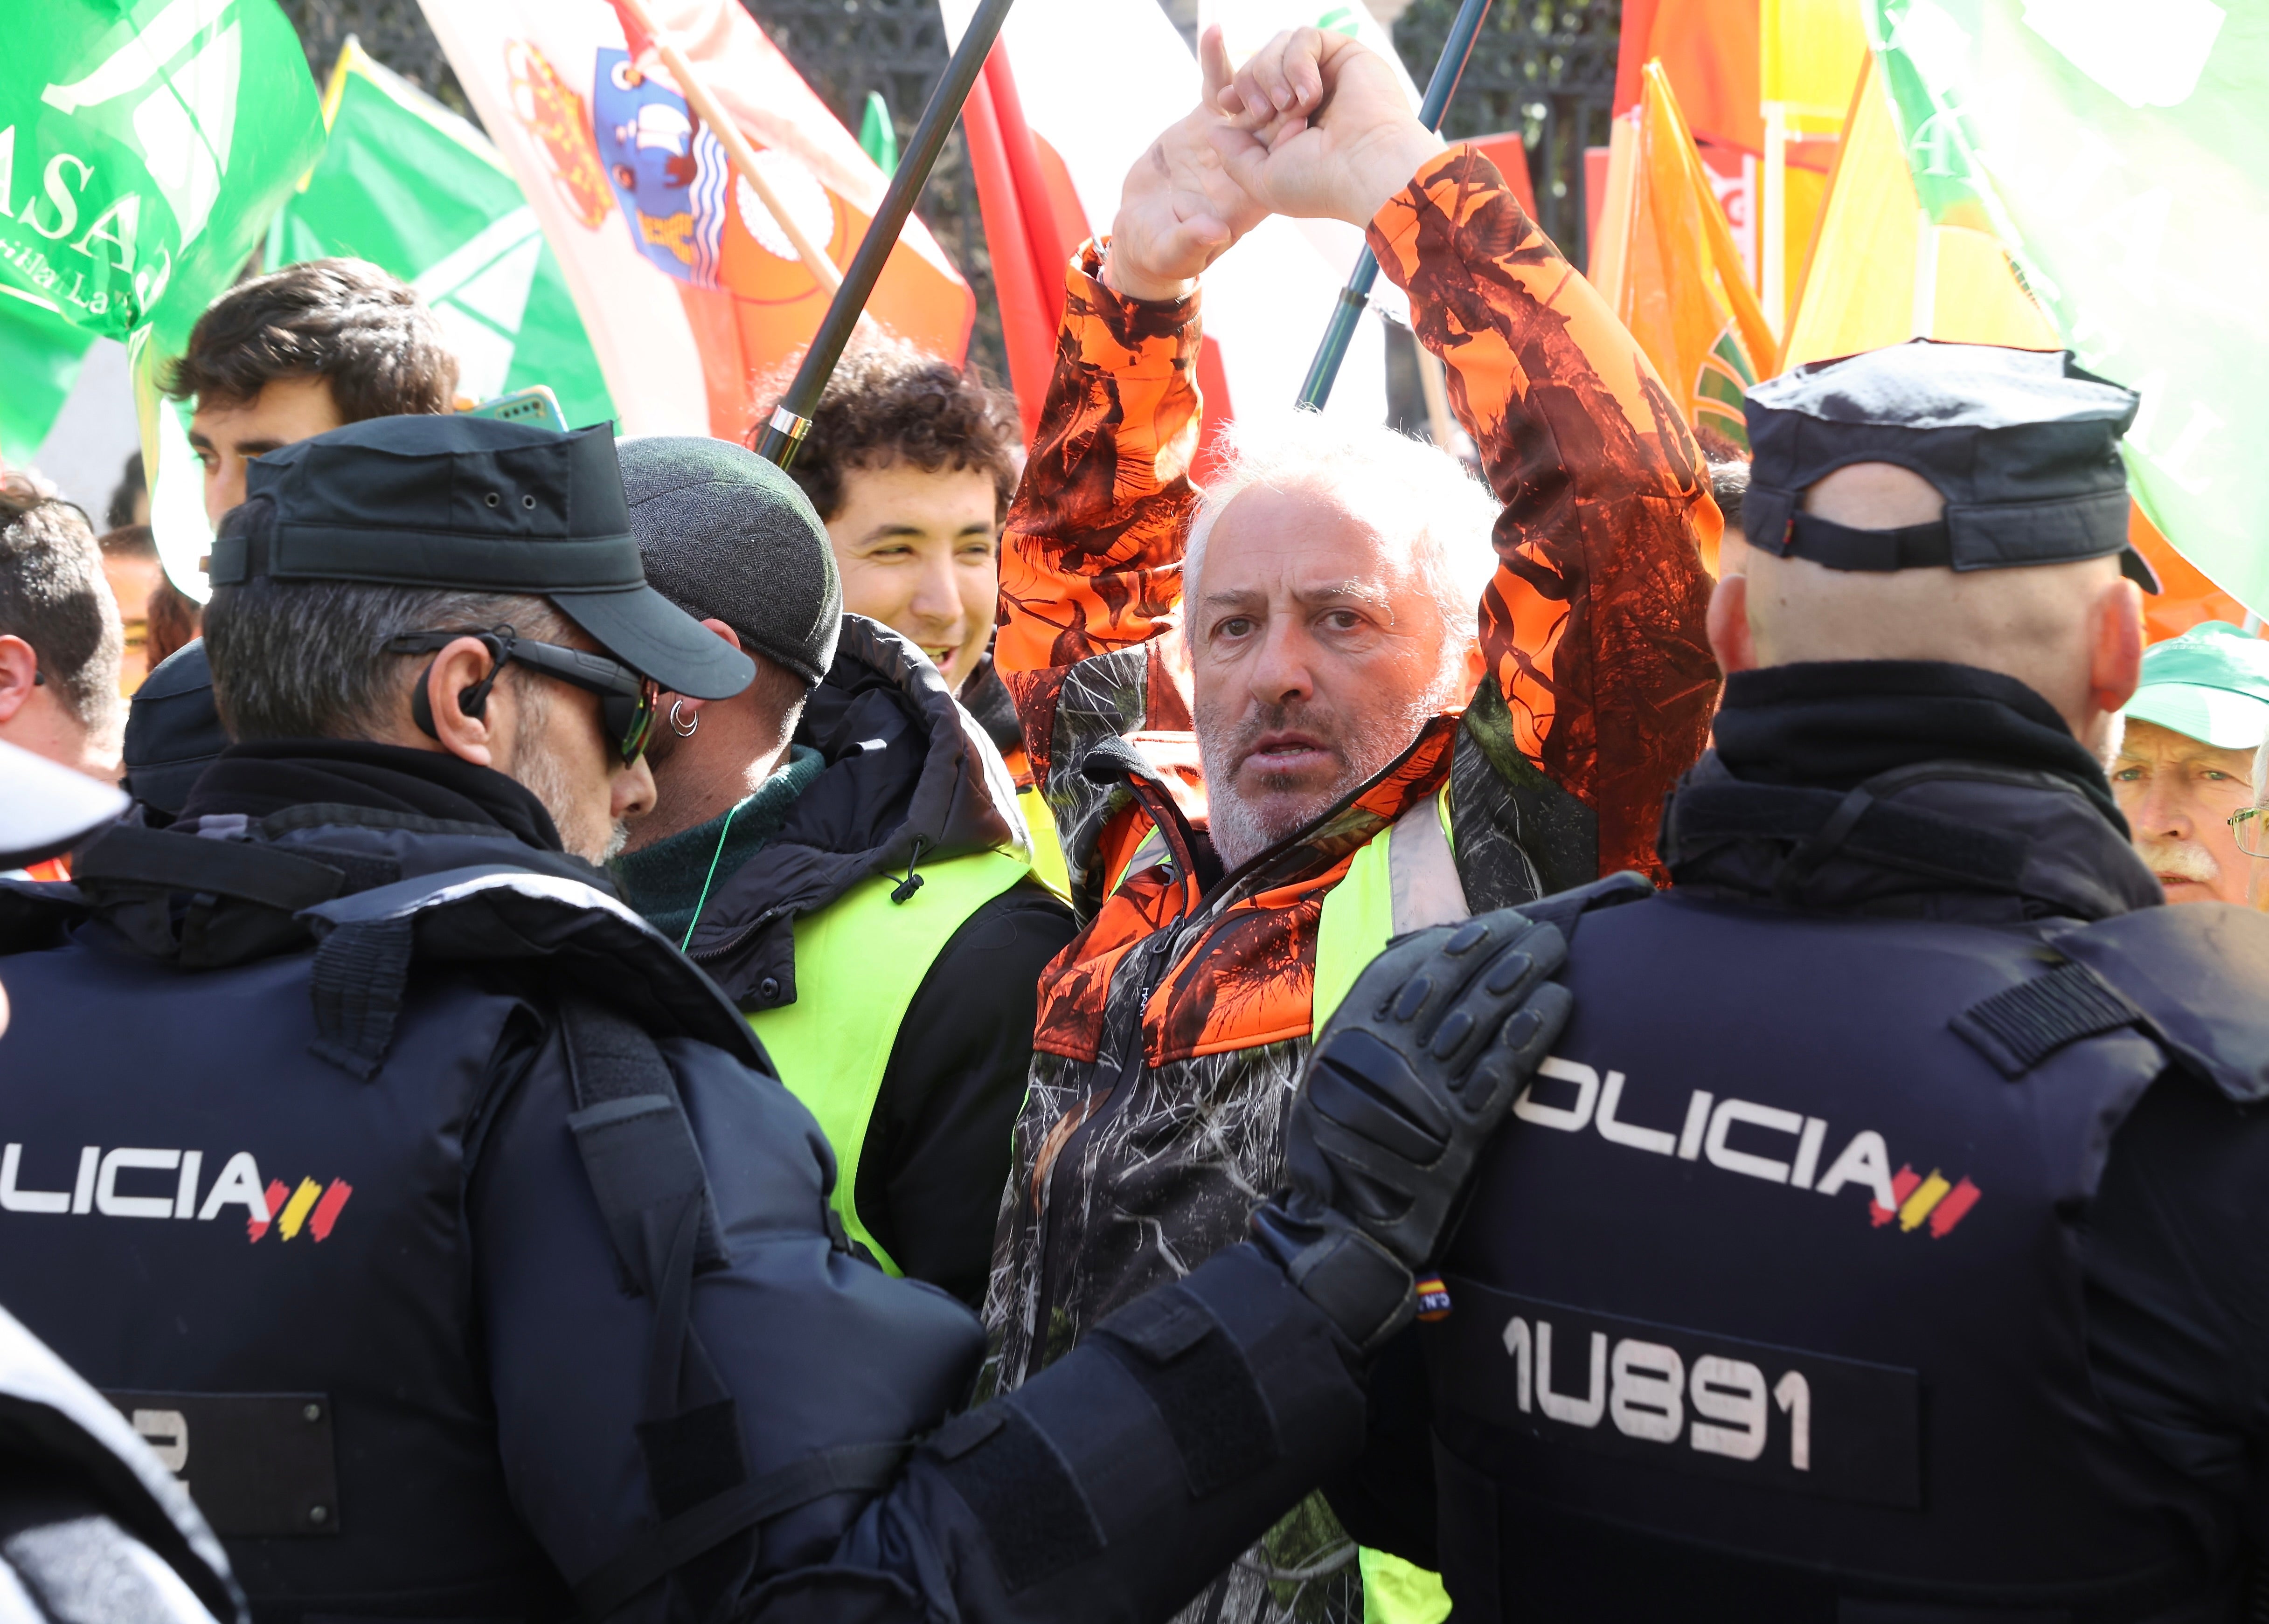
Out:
{"x": 1393, "y": 723}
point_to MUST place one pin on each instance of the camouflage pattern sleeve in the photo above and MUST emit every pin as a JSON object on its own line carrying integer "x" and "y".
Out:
{"x": 1593, "y": 626}
{"x": 1092, "y": 560}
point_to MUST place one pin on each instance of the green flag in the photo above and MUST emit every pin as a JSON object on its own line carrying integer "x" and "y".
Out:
{"x": 410, "y": 187}
{"x": 39, "y": 356}
{"x": 878, "y": 137}
{"x": 2121, "y": 153}
{"x": 135, "y": 181}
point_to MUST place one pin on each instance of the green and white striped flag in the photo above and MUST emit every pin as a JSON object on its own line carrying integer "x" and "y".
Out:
{"x": 135, "y": 181}
{"x": 2121, "y": 154}
{"x": 410, "y": 187}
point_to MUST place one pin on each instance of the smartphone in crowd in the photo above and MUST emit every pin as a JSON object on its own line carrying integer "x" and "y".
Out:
{"x": 534, "y": 404}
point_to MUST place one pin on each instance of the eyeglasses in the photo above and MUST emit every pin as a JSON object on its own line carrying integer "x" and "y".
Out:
{"x": 2252, "y": 835}
{"x": 627, "y": 699}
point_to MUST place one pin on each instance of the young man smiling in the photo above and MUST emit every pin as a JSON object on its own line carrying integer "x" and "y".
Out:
{"x": 911, "y": 463}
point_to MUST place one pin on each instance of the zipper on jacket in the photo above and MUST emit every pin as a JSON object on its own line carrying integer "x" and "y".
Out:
{"x": 1062, "y": 1178}
{"x": 1162, "y": 948}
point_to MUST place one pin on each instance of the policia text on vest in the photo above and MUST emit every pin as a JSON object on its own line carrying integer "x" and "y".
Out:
{"x": 142, "y": 1182}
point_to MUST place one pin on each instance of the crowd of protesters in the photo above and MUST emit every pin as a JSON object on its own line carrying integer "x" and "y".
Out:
{"x": 1176, "y": 767}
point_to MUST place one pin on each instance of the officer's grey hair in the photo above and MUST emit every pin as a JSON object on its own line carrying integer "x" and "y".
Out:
{"x": 307, "y": 659}
{"x": 1416, "y": 496}
{"x": 2261, "y": 773}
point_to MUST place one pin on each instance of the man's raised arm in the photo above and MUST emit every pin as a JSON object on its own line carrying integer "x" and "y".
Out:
{"x": 1593, "y": 626}
{"x": 1091, "y": 566}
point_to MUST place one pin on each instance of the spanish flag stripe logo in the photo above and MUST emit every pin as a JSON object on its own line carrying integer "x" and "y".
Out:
{"x": 1926, "y": 1195}
{"x": 327, "y": 1210}
{"x": 1948, "y": 1212}
{"x": 296, "y": 1210}
{"x": 1934, "y": 1199}
{"x": 274, "y": 1196}
{"x": 312, "y": 1206}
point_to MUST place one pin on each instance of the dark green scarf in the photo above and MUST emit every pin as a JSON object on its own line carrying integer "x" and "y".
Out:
{"x": 665, "y": 881}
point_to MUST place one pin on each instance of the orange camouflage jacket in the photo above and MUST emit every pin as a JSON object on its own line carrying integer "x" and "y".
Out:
{"x": 1171, "y": 1030}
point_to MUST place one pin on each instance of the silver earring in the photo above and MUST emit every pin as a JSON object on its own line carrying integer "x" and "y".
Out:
{"x": 680, "y": 725}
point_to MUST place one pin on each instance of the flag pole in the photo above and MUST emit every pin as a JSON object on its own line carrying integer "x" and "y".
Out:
{"x": 743, "y": 155}
{"x": 791, "y": 419}
{"x": 1355, "y": 297}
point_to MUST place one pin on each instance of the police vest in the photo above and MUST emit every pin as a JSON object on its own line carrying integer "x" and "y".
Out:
{"x": 238, "y": 1212}
{"x": 859, "y": 962}
{"x": 1776, "y": 1314}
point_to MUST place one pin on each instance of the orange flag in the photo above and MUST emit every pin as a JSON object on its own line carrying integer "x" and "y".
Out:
{"x": 1666, "y": 263}
{"x": 692, "y": 293}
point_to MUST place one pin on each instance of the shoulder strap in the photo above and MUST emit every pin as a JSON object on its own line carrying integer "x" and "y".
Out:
{"x": 2193, "y": 978}
{"x": 587, "y": 939}
{"x": 638, "y": 1152}
{"x": 1566, "y": 909}
{"x": 857, "y": 1468}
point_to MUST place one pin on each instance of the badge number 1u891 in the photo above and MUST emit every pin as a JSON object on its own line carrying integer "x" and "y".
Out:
{"x": 1689, "y": 1400}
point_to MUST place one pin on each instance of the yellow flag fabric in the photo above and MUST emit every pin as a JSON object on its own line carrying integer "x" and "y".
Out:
{"x": 1668, "y": 264}
{"x": 1809, "y": 54}
{"x": 1882, "y": 273}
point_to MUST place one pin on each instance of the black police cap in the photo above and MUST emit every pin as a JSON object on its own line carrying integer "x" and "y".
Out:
{"x": 173, "y": 730}
{"x": 2023, "y": 444}
{"x": 480, "y": 504}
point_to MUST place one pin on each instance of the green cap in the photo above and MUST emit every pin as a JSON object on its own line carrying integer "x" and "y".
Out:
{"x": 2210, "y": 684}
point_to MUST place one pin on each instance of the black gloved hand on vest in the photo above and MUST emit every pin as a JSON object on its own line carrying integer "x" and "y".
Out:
{"x": 1407, "y": 1082}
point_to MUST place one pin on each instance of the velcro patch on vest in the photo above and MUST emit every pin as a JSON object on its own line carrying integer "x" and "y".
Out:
{"x": 260, "y": 1465}
{"x": 1690, "y": 1400}
{"x": 1197, "y": 1375}
{"x": 2020, "y": 1026}
{"x": 1034, "y": 1513}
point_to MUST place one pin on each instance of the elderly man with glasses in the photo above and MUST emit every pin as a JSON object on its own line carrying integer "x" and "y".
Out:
{"x": 2185, "y": 769}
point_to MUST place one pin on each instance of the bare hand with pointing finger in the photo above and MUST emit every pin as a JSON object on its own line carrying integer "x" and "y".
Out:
{"x": 1180, "y": 209}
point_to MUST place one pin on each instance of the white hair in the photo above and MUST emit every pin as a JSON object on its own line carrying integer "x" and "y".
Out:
{"x": 1414, "y": 494}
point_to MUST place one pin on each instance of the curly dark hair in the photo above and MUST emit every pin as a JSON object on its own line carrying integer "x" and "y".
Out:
{"x": 363, "y": 332}
{"x": 891, "y": 403}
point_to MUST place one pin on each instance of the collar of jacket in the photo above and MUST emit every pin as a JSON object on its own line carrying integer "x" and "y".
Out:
{"x": 1903, "y": 789}
{"x": 227, "y": 888}
{"x": 910, "y": 779}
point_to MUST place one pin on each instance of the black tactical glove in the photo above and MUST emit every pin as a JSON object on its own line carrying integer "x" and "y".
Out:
{"x": 1407, "y": 1084}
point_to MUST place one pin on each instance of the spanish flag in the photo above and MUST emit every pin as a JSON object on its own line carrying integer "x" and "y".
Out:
{"x": 1666, "y": 263}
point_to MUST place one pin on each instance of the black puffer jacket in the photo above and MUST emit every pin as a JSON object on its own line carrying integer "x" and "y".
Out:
{"x": 910, "y": 781}
{"x": 375, "y": 963}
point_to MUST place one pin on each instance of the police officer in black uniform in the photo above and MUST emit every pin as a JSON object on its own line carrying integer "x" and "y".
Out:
{"x": 92, "y": 1529}
{"x": 1884, "y": 1241}
{"x": 443, "y": 1228}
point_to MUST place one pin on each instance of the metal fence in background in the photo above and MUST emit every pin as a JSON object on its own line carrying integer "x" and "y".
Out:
{"x": 1546, "y": 68}
{"x": 393, "y": 31}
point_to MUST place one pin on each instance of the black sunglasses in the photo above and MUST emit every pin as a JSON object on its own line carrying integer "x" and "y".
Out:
{"x": 627, "y": 699}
